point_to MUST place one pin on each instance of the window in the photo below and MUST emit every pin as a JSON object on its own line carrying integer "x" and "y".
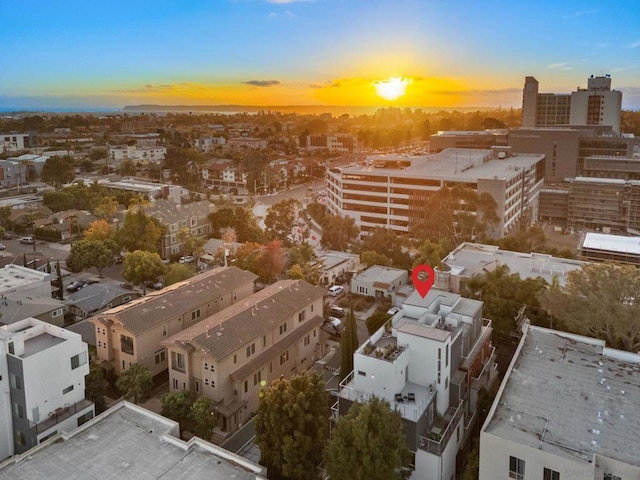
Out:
{"x": 246, "y": 386}
{"x": 56, "y": 313}
{"x": 251, "y": 349}
{"x": 165, "y": 330}
{"x": 206, "y": 366}
{"x": 16, "y": 382}
{"x": 12, "y": 349}
{"x": 284, "y": 357}
{"x": 361, "y": 373}
{"x": 67, "y": 390}
{"x": 78, "y": 360}
{"x": 264, "y": 340}
{"x": 20, "y": 438}
{"x": 126, "y": 344}
{"x": 177, "y": 361}
{"x": 235, "y": 358}
{"x": 18, "y": 411}
{"x": 257, "y": 378}
{"x": 283, "y": 328}
{"x": 301, "y": 316}
{"x": 195, "y": 314}
{"x": 549, "y": 474}
{"x": 516, "y": 468}
{"x": 610, "y": 476}
{"x": 160, "y": 356}
{"x": 307, "y": 340}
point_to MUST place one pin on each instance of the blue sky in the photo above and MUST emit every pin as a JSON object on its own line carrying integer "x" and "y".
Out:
{"x": 260, "y": 52}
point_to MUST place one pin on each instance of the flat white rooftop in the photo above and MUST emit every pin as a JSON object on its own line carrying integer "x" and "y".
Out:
{"x": 570, "y": 396}
{"x": 611, "y": 243}
{"x": 378, "y": 273}
{"x": 128, "y": 442}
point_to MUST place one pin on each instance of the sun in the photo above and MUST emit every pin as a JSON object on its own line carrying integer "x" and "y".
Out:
{"x": 392, "y": 88}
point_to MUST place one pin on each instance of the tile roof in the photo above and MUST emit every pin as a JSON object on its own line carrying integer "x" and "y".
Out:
{"x": 169, "y": 213}
{"x": 226, "y": 331}
{"x": 155, "y": 308}
{"x": 96, "y": 296}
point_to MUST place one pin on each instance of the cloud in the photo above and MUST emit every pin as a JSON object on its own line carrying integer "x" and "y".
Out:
{"x": 579, "y": 14}
{"x": 623, "y": 68}
{"x": 262, "y": 83}
{"x": 559, "y": 66}
{"x": 481, "y": 92}
{"x": 163, "y": 88}
{"x": 635, "y": 44}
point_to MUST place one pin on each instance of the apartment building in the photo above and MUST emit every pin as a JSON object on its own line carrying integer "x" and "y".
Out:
{"x": 208, "y": 144}
{"x": 567, "y": 408}
{"x": 133, "y": 332}
{"x": 336, "y": 143}
{"x": 12, "y": 142}
{"x": 143, "y": 155}
{"x": 42, "y": 370}
{"x": 128, "y": 441}
{"x": 595, "y": 105}
{"x": 428, "y": 362}
{"x": 391, "y": 191}
{"x": 230, "y": 355}
{"x": 223, "y": 173}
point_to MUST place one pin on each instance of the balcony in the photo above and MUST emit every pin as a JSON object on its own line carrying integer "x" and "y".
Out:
{"x": 485, "y": 336}
{"x": 59, "y": 415}
{"x": 488, "y": 373}
{"x": 440, "y": 431}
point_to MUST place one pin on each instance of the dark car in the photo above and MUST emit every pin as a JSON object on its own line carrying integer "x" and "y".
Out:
{"x": 336, "y": 311}
{"x": 77, "y": 285}
{"x": 154, "y": 285}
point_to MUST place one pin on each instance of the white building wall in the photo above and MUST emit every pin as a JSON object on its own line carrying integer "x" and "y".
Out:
{"x": 434, "y": 467}
{"x": 6, "y": 425}
{"x": 382, "y": 378}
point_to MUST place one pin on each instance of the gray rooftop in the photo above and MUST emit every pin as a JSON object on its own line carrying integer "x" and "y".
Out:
{"x": 17, "y": 306}
{"x": 224, "y": 332}
{"x": 93, "y": 297}
{"x": 453, "y": 164}
{"x": 377, "y": 273}
{"x": 470, "y": 259}
{"x": 170, "y": 213}
{"x": 40, "y": 343}
{"x": 570, "y": 396}
{"x": 128, "y": 442}
{"x": 155, "y": 308}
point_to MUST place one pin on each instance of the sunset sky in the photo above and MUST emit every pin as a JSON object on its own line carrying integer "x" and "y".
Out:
{"x": 90, "y": 54}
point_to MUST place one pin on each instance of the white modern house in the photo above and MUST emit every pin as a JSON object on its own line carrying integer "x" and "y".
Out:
{"x": 42, "y": 370}
{"x": 567, "y": 408}
{"x": 25, "y": 281}
{"x": 429, "y": 363}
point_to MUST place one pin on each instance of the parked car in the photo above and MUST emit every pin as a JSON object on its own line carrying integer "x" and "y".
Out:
{"x": 335, "y": 290}
{"x": 7, "y": 236}
{"x": 2, "y": 246}
{"x": 117, "y": 259}
{"x": 187, "y": 259}
{"x": 27, "y": 240}
{"x": 336, "y": 311}
{"x": 393, "y": 310}
{"x": 77, "y": 285}
{"x": 333, "y": 326}
{"x": 154, "y": 285}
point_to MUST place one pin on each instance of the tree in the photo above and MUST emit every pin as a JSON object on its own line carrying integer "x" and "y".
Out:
{"x": 128, "y": 168}
{"x": 348, "y": 344}
{"x": 241, "y": 219}
{"x": 92, "y": 253}
{"x": 458, "y": 214}
{"x": 376, "y": 320}
{"x": 192, "y": 244}
{"x": 430, "y": 253}
{"x": 338, "y": 232}
{"x": 135, "y": 383}
{"x": 385, "y": 241}
{"x": 142, "y": 266}
{"x": 368, "y": 443}
{"x": 530, "y": 240}
{"x": 57, "y": 171}
{"x": 5, "y": 217}
{"x": 106, "y": 209}
{"x": 177, "y": 406}
{"x": 95, "y": 386}
{"x": 291, "y": 425}
{"x": 99, "y": 230}
{"x": 271, "y": 262}
{"x": 139, "y": 231}
{"x": 370, "y": 257}
{"x": 283, "y": 222}
{"x": 177, "y": 272}
{"x": 599, "y": 300}
{"x": 203, "y": 417}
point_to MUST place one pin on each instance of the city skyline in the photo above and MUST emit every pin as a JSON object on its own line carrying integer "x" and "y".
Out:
{"x": 413, "y": 53}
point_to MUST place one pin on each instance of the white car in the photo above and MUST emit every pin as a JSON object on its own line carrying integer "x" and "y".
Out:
{"x": 335, "y": 290}
{"x": 393, "y": 310}
{"x": 187, "y": 259}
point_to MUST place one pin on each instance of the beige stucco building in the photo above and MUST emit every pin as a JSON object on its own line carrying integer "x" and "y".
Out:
{"x": 230, "y": 355}
{"x": 133, "y": 332}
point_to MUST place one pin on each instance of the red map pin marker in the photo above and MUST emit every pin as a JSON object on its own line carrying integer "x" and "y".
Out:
{"x": 423, "y": 278}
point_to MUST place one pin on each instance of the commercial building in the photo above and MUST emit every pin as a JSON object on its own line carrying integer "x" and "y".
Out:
{"x": 128, "y": 441}
{"x": 595, "y": 105}
{"x": 392, "y": 191}
{"x": 469, "y": 259}
{"x": 567, "y": 408}
{"x": 12, "y": 142}
{"x": 601, "y": 247}
{"x": 133, "y": 332}
{"x": 42, "y": 370}
{"x": 25, "y": 281}
{"x": 230, "y": 355}
{"x": 482, "y": 139}
{"x": 428, "y": 362}
{"x": 336, "y": 143}
{"x": 378, "y": 281}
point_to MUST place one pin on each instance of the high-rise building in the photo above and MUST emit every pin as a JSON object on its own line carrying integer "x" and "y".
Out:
{"x": 595, "y": 105}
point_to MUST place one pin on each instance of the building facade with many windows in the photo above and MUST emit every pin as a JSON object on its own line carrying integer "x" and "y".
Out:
{"x": 392, "y": 191}
{"x": 567, "y": 408}
{"x": 231, "y": 355}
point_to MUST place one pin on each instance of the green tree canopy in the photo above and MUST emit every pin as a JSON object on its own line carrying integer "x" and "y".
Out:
{"x": 386, "y": 242}
{"x": 135, "y": 383}
{"x": 239, "y": 218}
{"x": 177, "y": 272}
{"x": 57, "y": 171}
{"x": 141, "y": 266}
{"x": 368, "y": 444}
{"x": 107, "y": 208}
{"x": 291, "y": 426}
{"x": 95, "y": 386}
{"x": 92, "y": 253}
{"x": 283, "y": 222}
{"x": 139, "y": 231}
{"x": 376, "y": 320}
{"x": 338, "y": 232}
{"x": 599, "y": 300}
{"x": 203, "y": 417}
{"x": 127, "y": 168}
{"x": 369, "y": 258}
